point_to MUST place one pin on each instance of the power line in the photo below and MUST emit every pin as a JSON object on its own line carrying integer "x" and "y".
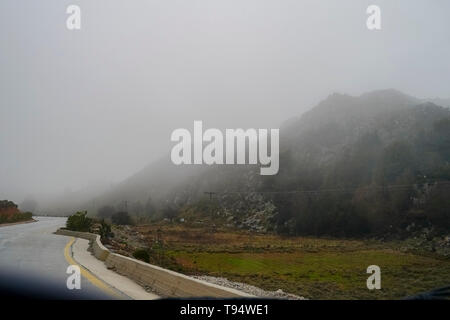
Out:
{"x": 338, "y": 190}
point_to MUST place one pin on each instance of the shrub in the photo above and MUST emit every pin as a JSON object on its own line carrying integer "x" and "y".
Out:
{"x": 170, "y": 212}
{"x": 26, "y": 215}
{"x": 7, "y": 204}
{"x": 141, "y": 254}
{"x": 105, "y": 230}
{"x": 79, "y": 222}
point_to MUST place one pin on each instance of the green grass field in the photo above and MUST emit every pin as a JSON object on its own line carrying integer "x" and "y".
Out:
{"x": 309, "y": 267}
{"x": 324, "y": 275}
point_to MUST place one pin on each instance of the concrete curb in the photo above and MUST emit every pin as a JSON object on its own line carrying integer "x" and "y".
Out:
{"x": 100, "y": 252}
{"x": 164, "y": 282}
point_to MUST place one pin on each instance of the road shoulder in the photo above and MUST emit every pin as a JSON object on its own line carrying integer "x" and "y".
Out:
{"x": 121, "y": 283}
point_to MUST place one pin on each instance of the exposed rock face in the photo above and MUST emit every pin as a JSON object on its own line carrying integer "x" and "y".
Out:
{"x": 8, "y": 208}
{"x": 9, "y": 213}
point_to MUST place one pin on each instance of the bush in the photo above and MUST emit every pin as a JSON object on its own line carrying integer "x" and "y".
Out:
{"x": 141, "y": 254}
{"x": 121, "y": 218}
{"x": 105, "y": 231}
{"x": 7, "y": 204}
{"x": 16, "y": 217}
{"x": 26, "y": 215}
{"x": 170, "y": 212}
{"x": 79, "y": 222}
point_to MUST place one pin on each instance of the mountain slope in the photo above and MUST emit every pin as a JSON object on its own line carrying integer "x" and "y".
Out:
{"x": 359, "y": 144}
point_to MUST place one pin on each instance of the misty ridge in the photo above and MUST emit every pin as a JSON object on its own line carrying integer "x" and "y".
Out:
{"x": 348, "y": 167}
{"x": 237, "y": 146}
{"x": 82, "y": 110}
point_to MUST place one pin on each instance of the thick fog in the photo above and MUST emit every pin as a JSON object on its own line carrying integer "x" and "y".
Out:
{"x": 90, "y": 107}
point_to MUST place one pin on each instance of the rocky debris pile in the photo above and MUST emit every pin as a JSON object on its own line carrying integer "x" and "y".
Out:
{"x": 125, "y": 240}
{"x": 249, "y": 211}
{"x": 257, "y": 222}
{"x": 438, "y": 245}
{"x": 255, "y": 291}
{"x": 425, "y": 240}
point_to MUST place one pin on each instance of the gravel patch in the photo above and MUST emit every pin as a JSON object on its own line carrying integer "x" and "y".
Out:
{"x": 258, "y": 292}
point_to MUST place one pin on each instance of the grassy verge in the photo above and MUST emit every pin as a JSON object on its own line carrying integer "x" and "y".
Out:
{"x": 309, "y": 267}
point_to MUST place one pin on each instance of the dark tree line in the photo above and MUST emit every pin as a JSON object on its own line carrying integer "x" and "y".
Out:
{"x": 372, "y": 188}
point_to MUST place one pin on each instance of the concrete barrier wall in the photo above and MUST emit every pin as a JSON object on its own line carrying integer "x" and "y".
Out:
{"x": 100, "y": 252}
{"x": 164, "y": 282}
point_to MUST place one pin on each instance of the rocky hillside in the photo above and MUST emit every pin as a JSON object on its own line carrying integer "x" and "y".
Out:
{"x": 349, "y": 166}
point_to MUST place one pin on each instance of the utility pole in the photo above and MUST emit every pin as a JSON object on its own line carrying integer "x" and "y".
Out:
{"x": 210, "y": 194}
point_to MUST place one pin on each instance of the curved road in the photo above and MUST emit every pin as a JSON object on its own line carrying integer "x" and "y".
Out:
{"x": 32, "y": 251}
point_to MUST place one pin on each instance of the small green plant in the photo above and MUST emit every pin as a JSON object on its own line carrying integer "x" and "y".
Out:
{"x": 79, "y": 222}
{"x": 141, "y": 254}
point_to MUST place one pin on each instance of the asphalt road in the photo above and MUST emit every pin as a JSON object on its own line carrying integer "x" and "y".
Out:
{"x": 32, "y": 258}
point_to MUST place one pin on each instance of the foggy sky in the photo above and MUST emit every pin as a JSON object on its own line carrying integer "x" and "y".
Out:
{"x": 94, "y": 106}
